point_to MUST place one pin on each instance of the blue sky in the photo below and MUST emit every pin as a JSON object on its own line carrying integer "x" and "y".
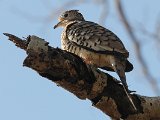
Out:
{"x": 24, "y": 95}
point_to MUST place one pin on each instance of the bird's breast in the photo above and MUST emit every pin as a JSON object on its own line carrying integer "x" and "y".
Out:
{"x": 90, "y": 57}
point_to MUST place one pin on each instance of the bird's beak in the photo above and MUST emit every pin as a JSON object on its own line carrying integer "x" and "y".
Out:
{"x": 58, "y": 25}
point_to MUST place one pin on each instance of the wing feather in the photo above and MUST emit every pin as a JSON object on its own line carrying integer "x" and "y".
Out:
{"x": 94, "y": 37}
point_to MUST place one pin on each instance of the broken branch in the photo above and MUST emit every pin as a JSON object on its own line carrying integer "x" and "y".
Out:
{"x": 86, "y": 82}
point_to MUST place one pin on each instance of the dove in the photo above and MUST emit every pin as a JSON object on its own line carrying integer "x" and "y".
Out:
{"x": 95, "y": 44}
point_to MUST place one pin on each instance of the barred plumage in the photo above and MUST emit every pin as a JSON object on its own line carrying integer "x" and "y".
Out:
{"x": 97, "y": 45}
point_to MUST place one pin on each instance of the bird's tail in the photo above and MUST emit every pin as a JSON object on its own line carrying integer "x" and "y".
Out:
{"x": 127, "y": 91}
{"x": 119, "y": 68}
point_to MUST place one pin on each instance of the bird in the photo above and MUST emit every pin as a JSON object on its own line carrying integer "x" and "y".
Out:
{"x": 95, "y": 44}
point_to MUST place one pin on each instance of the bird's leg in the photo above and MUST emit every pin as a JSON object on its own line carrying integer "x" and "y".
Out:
{"x": 119, "y": 68}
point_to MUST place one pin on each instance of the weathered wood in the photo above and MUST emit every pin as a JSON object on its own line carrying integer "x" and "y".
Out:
{"x": 86, "y": 82}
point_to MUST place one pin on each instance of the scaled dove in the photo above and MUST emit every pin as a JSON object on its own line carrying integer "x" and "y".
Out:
{"x": 95, "y": 44}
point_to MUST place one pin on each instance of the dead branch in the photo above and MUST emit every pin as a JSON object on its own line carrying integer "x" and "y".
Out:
{"x": 135, "y": 41}
{"x": 53, "y": 13}
{"x": 86, "y": 82}
{"x": 104, "y": 12}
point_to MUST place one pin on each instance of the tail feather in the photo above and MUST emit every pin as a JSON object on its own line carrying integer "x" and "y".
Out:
{"x": 119, "y": 68}
{"x": 122, "y": 76}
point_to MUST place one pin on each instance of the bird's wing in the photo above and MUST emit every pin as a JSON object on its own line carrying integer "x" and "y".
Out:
{"x": 94, "y": 37}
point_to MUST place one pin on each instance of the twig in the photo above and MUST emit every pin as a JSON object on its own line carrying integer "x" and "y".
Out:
{"x": 135, "y": 40}
{"x": 53, "y": 13}
{"x": 105, "y": 11}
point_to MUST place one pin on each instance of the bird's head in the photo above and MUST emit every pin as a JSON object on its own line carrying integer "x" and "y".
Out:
{"x": 69, "y": 16}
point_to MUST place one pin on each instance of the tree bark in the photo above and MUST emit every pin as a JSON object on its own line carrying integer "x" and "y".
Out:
{"x": 86, "y": 82}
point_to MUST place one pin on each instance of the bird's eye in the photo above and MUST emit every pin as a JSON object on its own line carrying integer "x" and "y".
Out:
{"x": 65, "y": 15}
